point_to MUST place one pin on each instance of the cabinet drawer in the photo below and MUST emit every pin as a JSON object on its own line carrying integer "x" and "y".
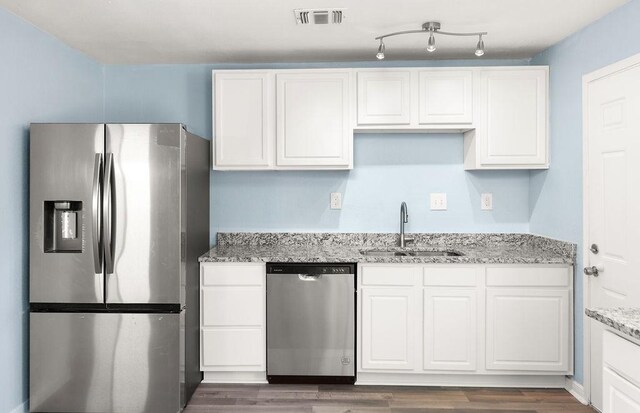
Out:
{"x": 619, "y": 353}
{"x": 233, "y": 349}
{"x": 402, "y": 275}
{"x": 233, "y": 274}
{"x": 233, "y": 306}
{"x": 450, "y": 276}
{"x": 528, "y": 276}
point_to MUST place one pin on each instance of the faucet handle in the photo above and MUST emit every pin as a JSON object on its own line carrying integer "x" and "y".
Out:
{"x": 409, "y": 239}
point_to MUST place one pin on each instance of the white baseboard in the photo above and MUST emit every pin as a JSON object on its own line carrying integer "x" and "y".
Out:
{"x": 22, "y": 408}
{"x": 461, "y": 380}
{"x": 248, "y": 377}
{"x": 577, "y": 390}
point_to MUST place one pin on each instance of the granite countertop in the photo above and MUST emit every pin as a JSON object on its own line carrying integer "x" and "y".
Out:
{"x": 348, "y": 247}
{"x": 625, "y": 320}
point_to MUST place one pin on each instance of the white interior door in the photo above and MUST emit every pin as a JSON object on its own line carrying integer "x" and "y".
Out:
{"x": 612, "y": 196}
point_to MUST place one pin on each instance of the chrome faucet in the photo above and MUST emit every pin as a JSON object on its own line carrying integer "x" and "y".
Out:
{"x": 404, "y": 218}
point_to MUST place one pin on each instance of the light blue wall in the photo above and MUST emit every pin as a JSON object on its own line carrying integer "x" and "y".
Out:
{"x": 41, "y": 80}
{"x": 556, "y": 195}
{"x": 389, "y": 168}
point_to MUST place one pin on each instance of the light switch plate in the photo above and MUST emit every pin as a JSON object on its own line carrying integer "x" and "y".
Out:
{"x": 336, "y": 200}
{"x": 438, "y": 201}
{"x": 486, "y": 201}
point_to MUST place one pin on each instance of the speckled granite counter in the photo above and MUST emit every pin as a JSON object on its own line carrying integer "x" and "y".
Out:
{"x": 348, "y": 247}
{"x": 625, "y": 320}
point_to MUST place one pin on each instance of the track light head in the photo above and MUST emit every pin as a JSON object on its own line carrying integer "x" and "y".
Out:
{"x": 431, "y": 44}
{"x": 480, "y": 47}
{"x": 380, "y": 54}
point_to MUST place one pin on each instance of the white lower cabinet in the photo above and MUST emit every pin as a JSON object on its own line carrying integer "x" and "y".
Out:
{"x": 450, "y": 317}
{"x": 450, "y": 328}
{"x": 388, "y": 327}
{"x": 466, "y": 324}
{"x": 621, "y": 374}
{"x": 232, "y": 322}
{"x": 619, "y": 395}
{"x": 529, "y": 318}
{"x": 527, "y": 329}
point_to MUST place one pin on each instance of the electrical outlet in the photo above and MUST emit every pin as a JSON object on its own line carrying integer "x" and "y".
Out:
{"x": 438, "y": 201}
{"x": 336, "y": 200}
{"x": 486, "y": 201}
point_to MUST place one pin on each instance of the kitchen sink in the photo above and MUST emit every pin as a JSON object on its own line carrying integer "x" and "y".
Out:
{"x": 413, "y": 253}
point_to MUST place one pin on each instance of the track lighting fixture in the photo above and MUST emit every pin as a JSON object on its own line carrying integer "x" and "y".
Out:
{"x": 432, "y": 28}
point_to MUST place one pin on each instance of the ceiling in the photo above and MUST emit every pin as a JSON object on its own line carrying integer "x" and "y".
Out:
{"x": 251, "y": 31}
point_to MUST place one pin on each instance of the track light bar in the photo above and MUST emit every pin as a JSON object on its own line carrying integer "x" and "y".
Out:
{"x": 432, "y": 28}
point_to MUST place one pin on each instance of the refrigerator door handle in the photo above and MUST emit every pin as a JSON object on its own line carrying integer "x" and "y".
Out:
{"x": 108, "y": 210}
{"x": 96, "y": 210}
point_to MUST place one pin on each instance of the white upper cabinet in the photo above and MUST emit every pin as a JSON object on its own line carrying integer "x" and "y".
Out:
{"x": 244, "y": 120}
{"x": 445, "y": 96}
{"x": 384, "y": 97}
{"x": 511, "y": 132}
{"x": 313, "y": 126}
{"x": 283, "y": 119}
{"x": 435, "y": 99}
{"x": 305, "y": 119}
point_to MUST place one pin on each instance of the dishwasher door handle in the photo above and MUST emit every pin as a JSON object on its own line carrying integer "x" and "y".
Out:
{"x": 309, "y": 277}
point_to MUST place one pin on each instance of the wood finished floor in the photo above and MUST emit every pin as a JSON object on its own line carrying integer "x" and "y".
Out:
{"x": 374, "y": 399}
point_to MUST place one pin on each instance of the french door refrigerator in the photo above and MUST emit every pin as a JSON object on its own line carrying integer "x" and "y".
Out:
{"x": 118, "y": 216}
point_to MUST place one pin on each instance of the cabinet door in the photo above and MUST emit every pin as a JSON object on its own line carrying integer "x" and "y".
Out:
{"x": 527, "y": 329}
{"x": 384, "y": 98}
{"x": 388, "y": 325}
{"x": 313, "y": 119}
{"x": 450, "y": 328}
{"x": 513, "y": 126}
{"x": 619, "y": 395}
{"x": 446, "y": 96}
{"x": 243, "y": 122}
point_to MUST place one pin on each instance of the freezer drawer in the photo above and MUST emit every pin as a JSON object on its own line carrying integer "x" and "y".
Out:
{"x": 106, "y": 362}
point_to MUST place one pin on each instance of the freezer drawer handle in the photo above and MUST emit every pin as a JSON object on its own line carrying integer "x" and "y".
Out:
{"x": 108, "y": 212}
{"x": 309, "y": 277}
{"x": 97, "y": 251}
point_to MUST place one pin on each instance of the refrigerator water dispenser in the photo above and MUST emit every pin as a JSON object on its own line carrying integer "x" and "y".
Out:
{"x": 63, "y": 226}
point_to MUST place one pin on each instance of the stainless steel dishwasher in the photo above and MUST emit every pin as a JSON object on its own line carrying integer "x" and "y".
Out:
{"x": 311, "y": 323}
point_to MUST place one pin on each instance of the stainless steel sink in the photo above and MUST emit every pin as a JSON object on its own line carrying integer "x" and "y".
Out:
{"x": 414, "y": 253}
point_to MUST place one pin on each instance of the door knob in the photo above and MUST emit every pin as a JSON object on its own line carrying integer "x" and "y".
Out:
{"x": 593, "y": 270}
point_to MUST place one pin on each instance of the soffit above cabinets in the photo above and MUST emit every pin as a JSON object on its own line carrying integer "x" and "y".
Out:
{"x": 256, "y": 31}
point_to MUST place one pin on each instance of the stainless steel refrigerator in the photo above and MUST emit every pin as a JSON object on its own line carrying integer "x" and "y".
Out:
{"x": 118, "y": 216}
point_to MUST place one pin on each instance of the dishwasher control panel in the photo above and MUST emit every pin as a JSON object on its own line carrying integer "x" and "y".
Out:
{"x": 311, "y": 268}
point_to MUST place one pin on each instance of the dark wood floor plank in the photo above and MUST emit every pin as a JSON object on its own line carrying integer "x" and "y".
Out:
{"x": 348, "y": 409}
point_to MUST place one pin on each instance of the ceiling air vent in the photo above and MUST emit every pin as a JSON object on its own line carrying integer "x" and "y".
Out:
{"x": 319, "y": 16}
